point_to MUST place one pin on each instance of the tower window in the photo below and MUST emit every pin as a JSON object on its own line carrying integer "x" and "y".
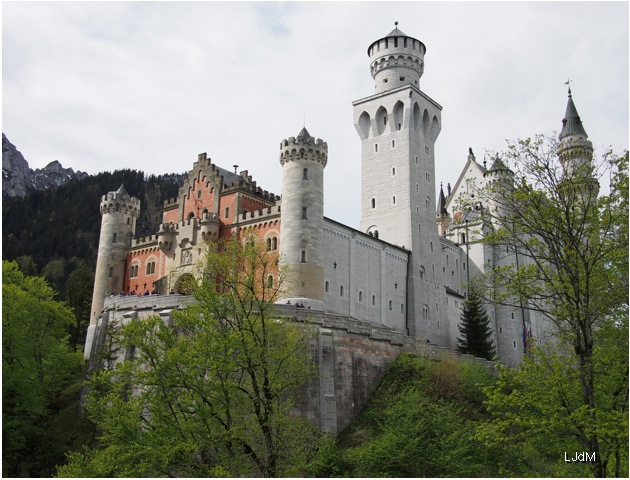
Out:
{"x": 269, "y": 244}
{"x": 360, "y": 296}
{"x": 385, "y": 120}
{"x": 390, "y": 304}
{"x": 393, "y": 171}
{"x": 417, "y": 188}
{"x": 303, "y": 213}
{"x": 427, "y": 150}
{"x": 416, "y": 159}
{"x": 227, "y": 212}
{"x": 198, "y": 193}
{"x": 274, "y": 243}
{"x": 395, "y": 41}
{"x": 110, "y": 272}
{"x": 305, "y": 174}
{"x": 394, "y": 200}
{"x": 303, "y": 256}
{"x": 128, "y": 220}
{"x": 399, "y": 126}
{"x": 326, "y": 286}
{"x": 376, "y": 147}
{"x": 427, "y": 176}
{"x": 393, "y": 143}
{"x": 373, "y": 300}
{"x": 374, "y": 203}
{"x": 341, "y": 291}
{"x": 402, "y": 308}
{"x": 431, "y": 243}
{"x": 115, "y": 238}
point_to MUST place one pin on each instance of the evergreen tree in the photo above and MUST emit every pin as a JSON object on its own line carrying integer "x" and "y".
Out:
{"x": 475, "y": 328}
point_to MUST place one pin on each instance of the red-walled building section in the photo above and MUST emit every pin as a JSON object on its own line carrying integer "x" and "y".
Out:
{"x": 144, "y": 268}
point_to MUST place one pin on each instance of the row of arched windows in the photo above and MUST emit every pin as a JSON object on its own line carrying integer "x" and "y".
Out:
{"x": 360, "y": 296}
{"x": 272, "y": 244}
{"x": 134, "y": 269}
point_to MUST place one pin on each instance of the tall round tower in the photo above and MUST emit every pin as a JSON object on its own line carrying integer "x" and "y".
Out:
{"x": 119, "y": 212}
{"x": 396, "y": 60}
{"x": 302, "y": 218}
{"x": 575, "y": 149}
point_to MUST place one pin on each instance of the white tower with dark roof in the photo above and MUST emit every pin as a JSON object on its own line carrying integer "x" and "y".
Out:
{"x": 119, "y": 212}
{"x": 398, "y": 127}
{"x": 302, "y": 218}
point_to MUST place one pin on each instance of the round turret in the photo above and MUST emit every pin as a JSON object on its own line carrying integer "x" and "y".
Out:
{"x": 167, "y": 235}
{"x": 396, "y": 60}
{"x": 119, "y": 212}
{"x": 210, "y": 225}
{"x": 575, "y": 150}
{"x": 302, "y": 217}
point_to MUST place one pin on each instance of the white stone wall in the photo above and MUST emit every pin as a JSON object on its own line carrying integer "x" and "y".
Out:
{"x": 372, "y": 274}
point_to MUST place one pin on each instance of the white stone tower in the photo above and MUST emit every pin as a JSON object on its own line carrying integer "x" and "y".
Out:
{"x": 302, "y": 218}
{"x": 119, "y": 212}
{"x": 575, "y": 150}
{"x": 398, "y": 127}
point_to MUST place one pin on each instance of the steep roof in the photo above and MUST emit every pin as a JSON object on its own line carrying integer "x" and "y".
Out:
{"x": 571, "y": 123}
{"x": 441, "y": 206}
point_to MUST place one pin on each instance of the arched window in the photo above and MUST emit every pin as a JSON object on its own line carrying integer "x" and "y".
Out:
{"x": 326, "y": 286}
{"x": 425, "y": 312}
{"x": 360, "y": 296}
{"x": 341, "y": 291}
{"x": 422, "y": 273}
{"x": 270, "y": 281}
{"x": 390, "y": 304}
{"x": 373, "y": 300}
{"x": 268, "y": 244}
{"x": 274, "y": 243}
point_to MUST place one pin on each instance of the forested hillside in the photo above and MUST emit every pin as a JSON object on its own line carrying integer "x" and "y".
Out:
{"x": 55, "y": 232}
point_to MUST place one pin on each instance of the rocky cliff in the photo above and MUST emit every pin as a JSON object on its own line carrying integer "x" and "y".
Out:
{"x": 18, "y": 178}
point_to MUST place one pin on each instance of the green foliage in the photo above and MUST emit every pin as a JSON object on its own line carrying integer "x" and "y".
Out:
{"x": 573, "y": 249}
{"x": 475, "y": 328}
{"x": 419, "y": 423}
{"x": 79, "y": 288}
{"x": 212, "y": 394}
{"x": 38, "y": 368}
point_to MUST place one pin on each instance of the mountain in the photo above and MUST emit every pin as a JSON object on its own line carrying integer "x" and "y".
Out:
{"x": 18, "y": 178}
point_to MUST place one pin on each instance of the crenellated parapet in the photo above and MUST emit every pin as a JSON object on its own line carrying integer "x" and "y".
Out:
{"x": 209, "y": 226}
{"x": 120, "y": 202}
{"x": 304, "y": 147}
{"x": 167, "y": 237}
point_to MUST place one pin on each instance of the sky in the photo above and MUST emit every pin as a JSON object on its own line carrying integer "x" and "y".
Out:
{"x": 101, "y": 86}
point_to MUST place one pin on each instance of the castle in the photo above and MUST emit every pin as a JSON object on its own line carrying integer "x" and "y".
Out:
{"x": 403, "y": 271}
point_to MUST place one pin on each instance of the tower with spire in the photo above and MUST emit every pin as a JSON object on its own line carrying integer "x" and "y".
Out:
{"x": 119, "y": 212}
{"x": 575, "y": 150}
{"x": 303, "y": 159}
{"x": 398, "y": 126}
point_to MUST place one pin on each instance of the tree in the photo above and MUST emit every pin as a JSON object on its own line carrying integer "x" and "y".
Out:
{"x": 37, "y": 367}
{"x": 212, "y": 394}
{"x": 475, "y": 328}
{"x": 79, "y": 288}
{"x": 573, "y": 247}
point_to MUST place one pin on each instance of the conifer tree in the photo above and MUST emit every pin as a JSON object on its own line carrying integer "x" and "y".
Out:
{"x": 475, "y": 328}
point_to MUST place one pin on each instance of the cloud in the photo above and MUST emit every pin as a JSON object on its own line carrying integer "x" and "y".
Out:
{"x": 149, "y": 85}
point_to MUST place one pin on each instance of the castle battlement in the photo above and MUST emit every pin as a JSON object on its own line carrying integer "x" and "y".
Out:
{"x": 144, "y": 241}
{"x": 304, "y": 147}
{"x": 120, "y": 201}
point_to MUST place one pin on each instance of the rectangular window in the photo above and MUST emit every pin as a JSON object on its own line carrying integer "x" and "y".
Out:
{"x": 115, "y": 237}
{"x": 303, "y": 256}
{"x": 198, "y": 193}
{"x": 227, "y": 212}
{"x": 305, "y": 174}
{"x": 303, "y": 213}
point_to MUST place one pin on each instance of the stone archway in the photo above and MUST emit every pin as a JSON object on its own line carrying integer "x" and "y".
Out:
{"x": 185, "y": 284}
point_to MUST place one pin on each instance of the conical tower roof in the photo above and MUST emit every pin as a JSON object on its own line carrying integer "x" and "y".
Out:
{"x": 571, "y": 123}
{"x": 121, "y": 190}
{"x": 304, "y": 134}
{"x": 441, "y": 206}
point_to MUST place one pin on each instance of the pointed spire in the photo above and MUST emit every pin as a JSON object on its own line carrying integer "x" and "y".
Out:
{"x": 303, "y": 134}
{"x": 571, "y": 123}
{"x": 121, "y": 190}
{"x": 441, "y": 206}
